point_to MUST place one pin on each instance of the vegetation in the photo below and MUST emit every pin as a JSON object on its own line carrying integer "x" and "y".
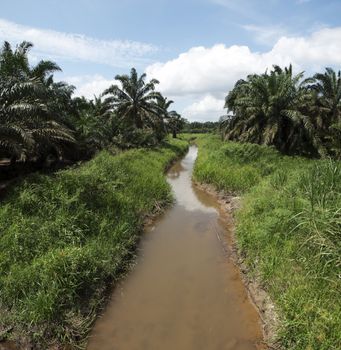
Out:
{"x": 65, "y": 238}
{"x": 281, "y": 109}
{"x": 289, "y": 226}
{"x": 174, "y": 123}
{"x": 32, "y": 107}
{"x": 41, "y": 123}
{"x": 200, "y": 127}
{"x": 135, "y": 104}
{"x": 288, "y": 230}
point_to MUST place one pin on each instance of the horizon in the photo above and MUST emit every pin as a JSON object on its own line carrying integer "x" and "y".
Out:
{"x": 196, "y": 49}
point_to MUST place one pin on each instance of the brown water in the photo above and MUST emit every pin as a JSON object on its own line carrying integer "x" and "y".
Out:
{"x": 184, "y": 293}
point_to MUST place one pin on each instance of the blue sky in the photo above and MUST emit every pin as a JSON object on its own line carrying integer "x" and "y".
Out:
{"x": 196, "y": 48}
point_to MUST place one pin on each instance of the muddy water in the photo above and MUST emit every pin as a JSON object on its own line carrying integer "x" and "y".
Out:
{"x": 184, "y": 293}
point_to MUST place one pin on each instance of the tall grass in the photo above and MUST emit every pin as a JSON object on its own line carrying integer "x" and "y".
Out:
{"x": 65, "y": 238}
{"x": 289, "y": 229}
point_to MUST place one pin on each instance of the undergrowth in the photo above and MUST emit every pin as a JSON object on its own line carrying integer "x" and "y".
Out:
{"x": 289, "y": 230}
{"x": 65, "y": 238}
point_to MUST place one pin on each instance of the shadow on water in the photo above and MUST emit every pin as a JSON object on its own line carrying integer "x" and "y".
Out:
{"x": 184, "y": 293}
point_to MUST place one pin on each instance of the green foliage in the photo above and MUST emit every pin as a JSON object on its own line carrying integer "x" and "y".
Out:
{"x": 249, "y": 158}
{"x": 65, "y": 238}
{"x": 200, "y": 127}
{"x": 135, "y": 100}
{"x": 32, "y": 107}
{"x": 174, "y": 123}
{"x": 289, "y": 230}
{"x": 281, "y": 109}
{"x": 42, "y": 124}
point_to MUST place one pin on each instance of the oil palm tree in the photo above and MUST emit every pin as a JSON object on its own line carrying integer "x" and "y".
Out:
{"x": 172, "y": 120}
{"x": 28, "y": 123}
{"x": 328, "y": 87}
{"x": 175, "y": 123}
{"x": 94, "y": 121}
{"x": 165, "y": 116}
{"x": 27, "y": 128}
{"x": 135, "y": 100}
{"x": 269, "y": 109}
{"x": 14, "y": 64}
{"x": 327, "y": 109}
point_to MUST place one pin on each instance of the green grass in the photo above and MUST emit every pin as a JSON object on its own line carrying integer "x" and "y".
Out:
{"x": 66, "y": 238}
{"x": 289, "y": 230}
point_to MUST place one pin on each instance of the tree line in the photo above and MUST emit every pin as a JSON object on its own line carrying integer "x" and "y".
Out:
{"x": 41, "y": 121}
{"x": 294, "y": 114}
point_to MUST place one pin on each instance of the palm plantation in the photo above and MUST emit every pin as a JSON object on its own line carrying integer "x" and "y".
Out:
{"x": 67, "y": 237}
{"x": 173, "y": 121}
{"x": 40, "y": 118}
{"x": 279, "y": 108}
{"x": 32, "y": 106}
{"x": 135, "y": 100}
{"x": 327, "y": 88}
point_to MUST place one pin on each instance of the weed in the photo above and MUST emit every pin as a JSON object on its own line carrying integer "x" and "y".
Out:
{"x": 289, "y": 229}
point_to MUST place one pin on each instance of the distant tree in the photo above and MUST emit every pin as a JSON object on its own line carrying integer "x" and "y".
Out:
{"x": 135, "y": 101}
{"x": 94, "y": 122}
{"x": 327, "y": 109}
{"x": 328, "y": 87}
{"x": 172, "y": 120}
{"x": 200, "y": 127}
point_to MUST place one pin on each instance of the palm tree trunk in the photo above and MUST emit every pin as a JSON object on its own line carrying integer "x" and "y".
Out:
{"x": 138, "y": 121}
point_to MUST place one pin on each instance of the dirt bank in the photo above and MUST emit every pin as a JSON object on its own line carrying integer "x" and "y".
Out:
{"x": 268, "y": 314}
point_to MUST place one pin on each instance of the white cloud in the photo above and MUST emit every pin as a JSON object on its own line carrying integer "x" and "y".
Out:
{"x": 266, "y": 35}
{"x": 216, "y": 69}
{"x": 201, "y": 70}
{"x": 198, "y": 79}
{"x": 321, "y": 48}
{"x": 206, "y": 108}
{"x": 77, "y": 47}
{"x": 209, "y": 73}
{"x": 89, "y": 85}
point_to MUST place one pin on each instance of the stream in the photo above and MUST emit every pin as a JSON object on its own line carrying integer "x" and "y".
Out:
{"x": 184, "y": 292}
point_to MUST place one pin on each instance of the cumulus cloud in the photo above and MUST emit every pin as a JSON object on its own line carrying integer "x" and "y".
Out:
{"x": 206, "y": 74}
{"x": 206, "y": 108}
{"x": 213, "y": 69}
{"x": 89, "y": 85}
{"x": 321, "y": 48}
{"x": 216, "y": 69}
{"x": 202, "y": 76}
{"x": 70, "y": 46}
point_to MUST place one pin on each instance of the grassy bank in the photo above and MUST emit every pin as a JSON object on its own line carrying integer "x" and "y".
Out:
{"x": 289, "y": 229}
{"x": 65, "y": 238}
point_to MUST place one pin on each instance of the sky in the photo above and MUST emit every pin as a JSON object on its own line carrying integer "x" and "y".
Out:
{"x": 197, "y": 49}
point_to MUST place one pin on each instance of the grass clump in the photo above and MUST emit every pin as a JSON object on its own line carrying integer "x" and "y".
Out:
{"x": 246, "y": 163}
{"x": 289, "y": 230}
{"x": 65, "y": 238}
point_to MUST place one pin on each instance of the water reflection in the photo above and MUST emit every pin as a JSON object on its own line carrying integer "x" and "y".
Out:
{"x": 184, "y": 190}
